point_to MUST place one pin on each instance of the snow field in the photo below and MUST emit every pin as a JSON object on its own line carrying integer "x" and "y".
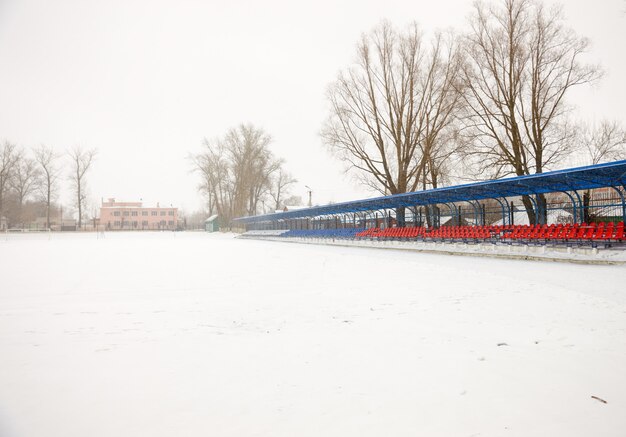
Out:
{"x": 162, "y": 334}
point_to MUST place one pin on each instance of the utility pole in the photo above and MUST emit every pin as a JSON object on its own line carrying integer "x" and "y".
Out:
{"x": 310, "y": 195}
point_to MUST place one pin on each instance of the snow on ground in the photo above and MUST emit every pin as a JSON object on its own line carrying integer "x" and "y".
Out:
{"x": 162, "y": 334}
{"x": 603, "y": 253}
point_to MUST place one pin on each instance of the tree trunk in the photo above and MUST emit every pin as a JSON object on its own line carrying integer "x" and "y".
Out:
{"x": 48, "y": 207}
{"x": 400, "y": 217}
{"x": 542, "y": 214}
{"x": 80, "y": 206}
{"x": 586, "y": 203}
{"x": 530, "y": 211}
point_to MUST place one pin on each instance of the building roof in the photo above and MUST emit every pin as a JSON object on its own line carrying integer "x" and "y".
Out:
{"x": 581, "y": 178}
{"x": 211, "y": 219}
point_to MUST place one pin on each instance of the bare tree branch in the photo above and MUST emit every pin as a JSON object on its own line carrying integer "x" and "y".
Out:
{"x": 237, "y": 171}
{"x": 46, "y": 159}
{"x": 81, "y": 161}
{"x": 392, "y": 112}
{"x": 521, "y": 62}
{"x": 9, "y": 156}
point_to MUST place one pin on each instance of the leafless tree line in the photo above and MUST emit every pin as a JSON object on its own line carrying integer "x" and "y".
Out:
{"x": 239, "y": 172}
{"x": 393, "y": 113}
{"x": 35, "y": 176}
{"x": 413, "y": 111}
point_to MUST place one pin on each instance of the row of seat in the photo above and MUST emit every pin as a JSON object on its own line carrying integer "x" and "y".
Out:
{"x": 462, "y": 232}
{"x": 561, "y": 232}
{"x": 323, "y": 233}
{"x": 409, "y": 232}
{"x": 584, "y": 231}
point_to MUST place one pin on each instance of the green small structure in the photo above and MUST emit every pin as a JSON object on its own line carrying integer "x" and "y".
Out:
{"x": 212, "y": 224}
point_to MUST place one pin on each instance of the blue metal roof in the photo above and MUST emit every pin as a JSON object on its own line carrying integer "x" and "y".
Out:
{"x": 612, "y": 174}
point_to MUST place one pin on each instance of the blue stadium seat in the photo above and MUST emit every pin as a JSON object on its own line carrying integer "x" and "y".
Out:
{"x": 343, "y": 233}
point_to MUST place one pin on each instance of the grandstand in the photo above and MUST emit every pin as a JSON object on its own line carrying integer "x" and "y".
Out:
{"x": 479, "y": 212}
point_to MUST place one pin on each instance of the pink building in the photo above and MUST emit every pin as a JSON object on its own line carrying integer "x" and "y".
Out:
{"x": 134, "y": 216}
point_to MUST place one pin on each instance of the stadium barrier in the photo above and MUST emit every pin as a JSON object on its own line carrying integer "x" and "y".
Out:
{"x": 583, "y": 233}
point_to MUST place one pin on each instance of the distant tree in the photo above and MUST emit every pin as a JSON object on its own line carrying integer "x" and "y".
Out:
{"x": 49, "y": 173}
{"x": 521, "y": 62}
{"x": 280, "y": 184}
{"x": 213, "y": 168}
{"x": 236, "y": 171}
{"x": 9, "y": 155}
{"x": 24, "y": 182}
{"x": 81, "y": 161}
{"x": 599, "y": 143}
{"x": 604, "y": 142}
{"x": 391, "y": 109}
{"x": 293, "y": 201}
{"x": 196, "y": 219}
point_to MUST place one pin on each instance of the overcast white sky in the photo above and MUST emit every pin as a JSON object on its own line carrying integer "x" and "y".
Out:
{"x": 145, "y": 81}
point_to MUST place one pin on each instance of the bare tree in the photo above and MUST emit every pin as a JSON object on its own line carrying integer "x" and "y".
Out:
{"x": 216, "y": 184}
{"x": 443, "y": 94}
{"x": 280, "y": 187}
{"x": 292, "y": 201}
{"x": 24, "y": 182}
{"x": 236, "y": 171}
{"x": 9, "y": 155}
{"x": 46, "y": 159}
{"x": 521, "y": 63}
{"x": 389, "y": 110}
{"x": 252, "y": 164}
{"x": 604, "y": 142}
{"x": 600, "y": 143}
{"x": 81, "y": 161}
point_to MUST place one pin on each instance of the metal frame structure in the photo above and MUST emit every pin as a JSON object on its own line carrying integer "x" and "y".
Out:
{"x": 568, "y": 182}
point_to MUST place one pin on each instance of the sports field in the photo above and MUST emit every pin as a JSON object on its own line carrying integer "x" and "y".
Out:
{"x": 191, "y": 334}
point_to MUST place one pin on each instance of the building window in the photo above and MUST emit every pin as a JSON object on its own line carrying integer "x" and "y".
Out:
{"x": 170, "y": 213}
{"x": 134, "y": 213}
{"x": 116, "y": 213}
{"x": 162, "y": 223}
{"x": 162, "y": 212}
{"x": 144, "y": 213}
{"x": 134, "y": 224}
{"x": 144, "y": 223}
{"x": 170, "y": 223}
{"x": 153, "y": 213}
{"x": 116, "y": 223}
{"x": 125, "y": 214}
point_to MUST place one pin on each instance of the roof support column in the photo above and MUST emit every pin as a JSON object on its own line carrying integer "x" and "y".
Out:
{"x": 476, "y": 210}
{"x": 573, "y": 205}
{"x": 624, "y": 186}
{"x": 534, "y": 202}
{"x": 453, "y": 212}
{"x": 504, "y": 214}
{"x": 542, "y": 209}
{"x": 581, "y": 207}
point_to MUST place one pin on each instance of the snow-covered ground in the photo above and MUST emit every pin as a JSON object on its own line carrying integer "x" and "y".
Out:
{"x": 578, "y": 253}
{"x": 162, "y": 334}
